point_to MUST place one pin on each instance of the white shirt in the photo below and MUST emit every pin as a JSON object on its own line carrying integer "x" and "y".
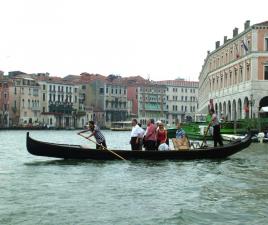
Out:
{"x": 136, "y": 131}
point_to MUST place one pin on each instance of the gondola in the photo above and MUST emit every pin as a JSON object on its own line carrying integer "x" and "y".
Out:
{"x": 65, "y": 151}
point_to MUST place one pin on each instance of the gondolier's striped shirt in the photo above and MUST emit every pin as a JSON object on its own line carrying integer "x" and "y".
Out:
{"x": 98, "y": 135}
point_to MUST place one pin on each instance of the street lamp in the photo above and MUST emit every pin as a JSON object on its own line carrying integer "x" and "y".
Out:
{"x": 251, "y": 103}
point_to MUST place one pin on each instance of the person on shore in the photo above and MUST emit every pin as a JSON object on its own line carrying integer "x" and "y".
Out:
{"x": 216, "y": 128}
{"x": 150, "y": 135}
{"x": 136, "y": 135}
{"x": 95, "y": 131}
{"x": 161, "y": 136}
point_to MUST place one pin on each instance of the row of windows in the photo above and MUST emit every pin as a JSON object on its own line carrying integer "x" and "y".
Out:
{"x": 183, "y": 108}
{"x": 60, "y": 88}
{"x": 52, "y": 98}
{"x": 31, "y": 104}
{"x": 233, "y": 77}
{"x": 234, "y": 52}
{"x": 183, "y": 98}
{"x": 114, "y": 91}
{"x": 26, "y": 82}
{"x": 152, "y": 90}
{"x": 31, "y": 91}
{"x": 119, "y": 105}
{"x": 192, "y": 90}
{"x": 153, "y": 99}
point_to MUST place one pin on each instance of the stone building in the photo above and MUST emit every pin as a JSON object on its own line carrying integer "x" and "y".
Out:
{"x": 59, "y": 102}
{"x": 234, "y": 77}
{"x": 24, "y": 101}
{"x": 5, "y": 84}
{"x": 181, "y": 100}
{"x": 152, "y": 102}
{"x": 106, "y": 96}
{"x": 115, "y": 97}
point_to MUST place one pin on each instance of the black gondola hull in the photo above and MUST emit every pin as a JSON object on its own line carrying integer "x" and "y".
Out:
{"x": 65, "y": 151}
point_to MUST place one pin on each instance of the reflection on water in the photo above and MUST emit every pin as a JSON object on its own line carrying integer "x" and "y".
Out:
{"x": 40, "y": 190}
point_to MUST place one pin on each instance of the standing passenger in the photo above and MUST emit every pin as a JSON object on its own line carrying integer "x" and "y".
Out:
{"x": 150, "y": 136}
{"x": 141, "y": 136}
{"x": 136, "y": 135}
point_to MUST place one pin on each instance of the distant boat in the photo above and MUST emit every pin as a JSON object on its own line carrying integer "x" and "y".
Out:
{"x": 121, "y": 126}
{"x": 196, "y": 130}
{"x": 67, "y": 151}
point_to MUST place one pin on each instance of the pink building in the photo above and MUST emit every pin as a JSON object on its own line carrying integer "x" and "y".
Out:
{"x": 133, "y": 83}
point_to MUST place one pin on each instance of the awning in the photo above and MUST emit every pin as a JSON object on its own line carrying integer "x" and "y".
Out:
{"x": 264, "y": 109}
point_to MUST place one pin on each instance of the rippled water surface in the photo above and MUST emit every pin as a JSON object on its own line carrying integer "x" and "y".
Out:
{"x": 40, "y": 190}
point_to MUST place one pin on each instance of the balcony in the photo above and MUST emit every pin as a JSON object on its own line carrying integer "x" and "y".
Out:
{"x": 36, "y": 108}
{"x": 61, "y": 108}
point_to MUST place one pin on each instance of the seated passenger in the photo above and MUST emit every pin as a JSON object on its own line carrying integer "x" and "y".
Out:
{"x": 180, "y": 133}
{"x": 181, "y": 141}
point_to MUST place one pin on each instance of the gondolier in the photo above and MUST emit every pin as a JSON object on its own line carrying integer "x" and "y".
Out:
{"x": 216, "y": 128}
{"x": 100, "y": 139}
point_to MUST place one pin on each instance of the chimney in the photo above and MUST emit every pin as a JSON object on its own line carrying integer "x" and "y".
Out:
{"x": 225, "y": 39}
{"x": 217, "y": 44}
{"x": 235, "y": 32}
{"x": 246, "y": 24}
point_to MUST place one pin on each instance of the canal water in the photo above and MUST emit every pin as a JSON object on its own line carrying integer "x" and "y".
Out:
{"x": 39, "y": 190}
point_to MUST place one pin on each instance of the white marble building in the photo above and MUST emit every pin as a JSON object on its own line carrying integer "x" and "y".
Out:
{"x": 234, "y": 77}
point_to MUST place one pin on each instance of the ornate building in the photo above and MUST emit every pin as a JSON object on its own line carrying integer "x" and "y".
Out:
{"x": 234, "y": 77}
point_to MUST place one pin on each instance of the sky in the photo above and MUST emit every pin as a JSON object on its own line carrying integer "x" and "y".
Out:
{"x": 157, "y": 39}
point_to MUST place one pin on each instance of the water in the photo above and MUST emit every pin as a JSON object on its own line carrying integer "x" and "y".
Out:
{"x": 39, "y": 190}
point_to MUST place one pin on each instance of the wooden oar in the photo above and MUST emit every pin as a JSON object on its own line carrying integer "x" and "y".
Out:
{"x": 205, "y": 136}
{"x": 120, "y": 157}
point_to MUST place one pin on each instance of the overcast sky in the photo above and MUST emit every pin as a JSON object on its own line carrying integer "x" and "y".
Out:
{"x": 160, "y": 39}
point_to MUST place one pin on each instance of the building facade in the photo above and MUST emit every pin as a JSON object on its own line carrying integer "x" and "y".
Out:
{"x": 106, "y": 97}
{"x": 25, "y": 101}
{"x": 133, "y": 83}
{"x": 234, "y": 77}
{"x": 152, "y": 102}
{"x": 5, "y": 84}
{"x": 59, "y": 102}
{"x": 116, "y": 103}
{"x": 181, "y": 100}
